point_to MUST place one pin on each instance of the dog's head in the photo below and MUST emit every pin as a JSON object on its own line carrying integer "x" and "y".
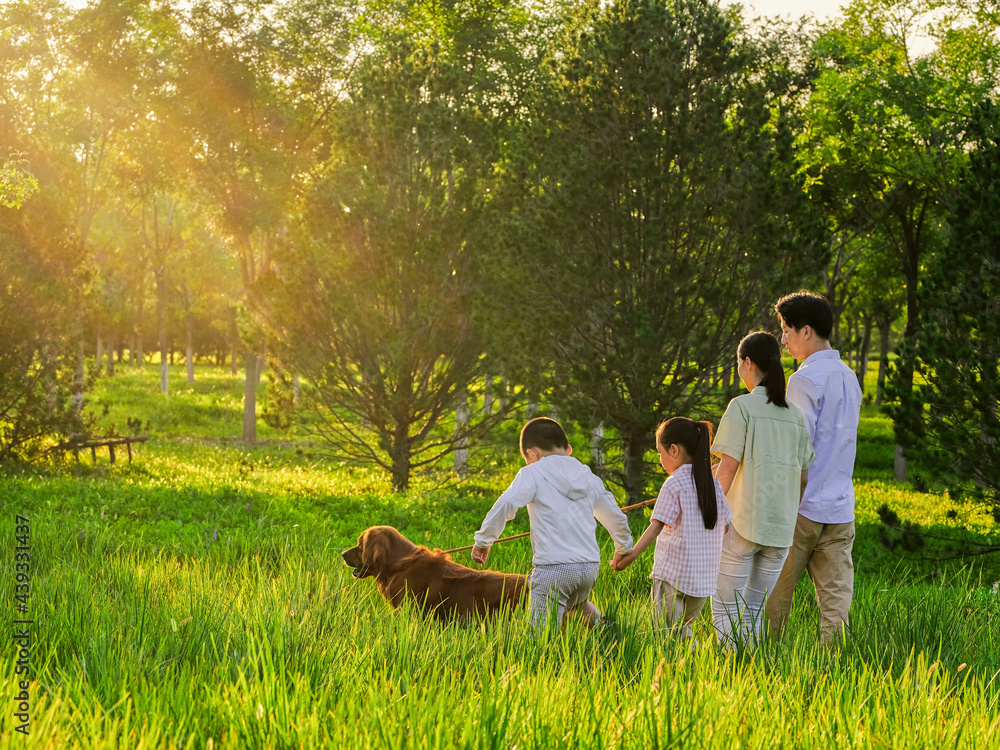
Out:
{"x": 377, "y": 550}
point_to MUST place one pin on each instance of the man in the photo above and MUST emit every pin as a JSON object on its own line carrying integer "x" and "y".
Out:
{"x": 827, "y": 392}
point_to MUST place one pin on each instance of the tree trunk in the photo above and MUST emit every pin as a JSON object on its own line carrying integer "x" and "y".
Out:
{"x": 189, "y": 347}
{"x": 899, "y": 465}
{"x": 635, "y": 449}
{"x": 488, "y": 396}
{"x": 831, "y": 296}
{"x": 234, "y": 346}
{"x": 138, "y": 355}
{"x": 853, "y": 349}
{"x": 911, "y": 270}
{"x": 161, "y": 323}
{"x": 461, "y": 428}
{"x": 78, "y": 381}
{"x": 99, "y": 358}
{"x": 597, "y": 448}
{"x": 401, "y": 459}
{"x": 863, "y": 355}
{"x": 48, "y": 352}
{"x": 250, "y": 398}
{"x": 111, "y": 352}
{"x": 884, "y": 328}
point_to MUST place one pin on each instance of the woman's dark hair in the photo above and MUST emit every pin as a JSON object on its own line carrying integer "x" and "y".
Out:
{"x": 806, "y": 309}
{"x": 696, "y": 440}
{"x": 764, "y": 351}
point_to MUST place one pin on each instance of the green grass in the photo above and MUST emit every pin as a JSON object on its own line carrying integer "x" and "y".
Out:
{"x": 197, "y": 598}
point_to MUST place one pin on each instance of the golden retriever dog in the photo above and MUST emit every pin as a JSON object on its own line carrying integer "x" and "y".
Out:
{"x": 403, "y": 570}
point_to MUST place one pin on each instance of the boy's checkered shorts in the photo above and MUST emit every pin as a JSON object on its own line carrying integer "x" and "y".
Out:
{"x": 568, "y": 584}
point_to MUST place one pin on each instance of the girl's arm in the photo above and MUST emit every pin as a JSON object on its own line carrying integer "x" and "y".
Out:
{"x": 648, "y": 536}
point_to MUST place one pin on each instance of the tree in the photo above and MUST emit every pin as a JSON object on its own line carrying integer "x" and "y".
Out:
{"x": 877, "y": 299}
{"x": 885, "y": 134}
{"x": 38, "y": 120}
{"x": 374, "y": 305}
{"x": 260, "y": 79}
{"x": 657, "y": 217}
{"x": 950, "y": 420}
{"x": 36, "y": 361}
{"x": 37, "y": 347}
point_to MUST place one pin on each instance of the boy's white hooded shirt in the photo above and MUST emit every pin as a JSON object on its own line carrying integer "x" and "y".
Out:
{"x": 564, "y": 500}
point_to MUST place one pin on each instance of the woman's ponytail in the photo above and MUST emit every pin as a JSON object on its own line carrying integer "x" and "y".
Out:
{"x": 764, "y": 351}
{"x": 696, "y": 440}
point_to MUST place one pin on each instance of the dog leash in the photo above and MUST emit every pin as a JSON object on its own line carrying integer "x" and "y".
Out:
{"x": 643, "y": 504}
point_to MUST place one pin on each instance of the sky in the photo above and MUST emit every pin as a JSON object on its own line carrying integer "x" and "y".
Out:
{"x": 822, "y": 9}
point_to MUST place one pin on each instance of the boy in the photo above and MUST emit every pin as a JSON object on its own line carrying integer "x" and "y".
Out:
{"x": 827, "y": 392}
{"x": 563, "y": 498}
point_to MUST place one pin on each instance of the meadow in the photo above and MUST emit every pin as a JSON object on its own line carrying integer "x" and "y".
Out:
{"x": 196, "y": 598}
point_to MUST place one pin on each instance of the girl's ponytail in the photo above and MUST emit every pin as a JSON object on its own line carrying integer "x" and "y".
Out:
{"x": 696, "y": 440}
{"x": 701, "y": 467}
{"x": 764, "y": 351}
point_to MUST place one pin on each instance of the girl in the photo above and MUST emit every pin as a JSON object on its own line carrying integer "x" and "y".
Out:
{"x": 688, "y": 522}
{"x": 765, "y": 454}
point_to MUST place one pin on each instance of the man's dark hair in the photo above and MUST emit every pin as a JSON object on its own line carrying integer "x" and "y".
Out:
{"x": 806, "y": 309}
{"x": 543, "y": 433}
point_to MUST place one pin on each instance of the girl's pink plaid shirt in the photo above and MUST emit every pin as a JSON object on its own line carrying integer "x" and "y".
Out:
{"x": 687, "y": 554}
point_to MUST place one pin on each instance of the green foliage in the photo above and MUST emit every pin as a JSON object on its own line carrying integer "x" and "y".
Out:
{"x": 372, "y": 300}
{"x": 886, "y": 134}
{"x": 16, "y": 183}
{"x": 949, "y": 422}
{"x": 653, "y": 212}
{"x": 38, "y": 363}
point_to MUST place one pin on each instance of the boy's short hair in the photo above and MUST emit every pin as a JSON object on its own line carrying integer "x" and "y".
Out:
{"x": 543, "y": 433}
{"x": 806, "y": 309}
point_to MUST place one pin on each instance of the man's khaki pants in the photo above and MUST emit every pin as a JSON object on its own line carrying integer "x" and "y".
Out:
{"x": 824, "y": 549}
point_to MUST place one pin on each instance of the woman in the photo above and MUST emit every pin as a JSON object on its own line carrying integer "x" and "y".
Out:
{"x": 765, "y": 452}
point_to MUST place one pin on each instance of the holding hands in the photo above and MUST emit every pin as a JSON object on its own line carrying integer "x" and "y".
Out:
{"x": 619, "y": 562}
